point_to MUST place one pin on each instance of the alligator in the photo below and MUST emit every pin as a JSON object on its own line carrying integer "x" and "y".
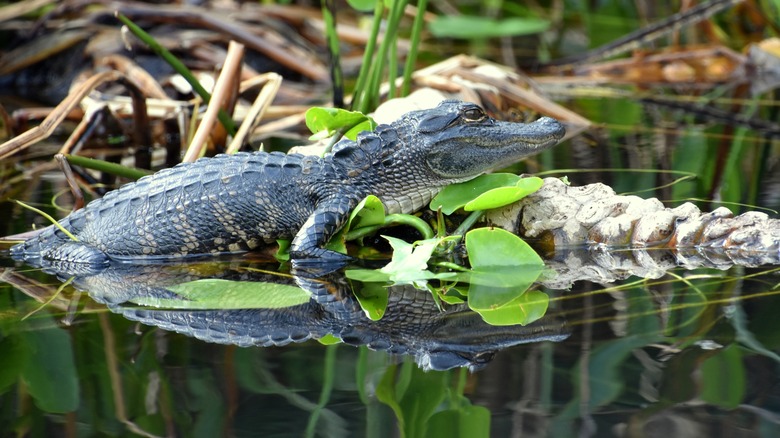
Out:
{"x": 236, "y": 203}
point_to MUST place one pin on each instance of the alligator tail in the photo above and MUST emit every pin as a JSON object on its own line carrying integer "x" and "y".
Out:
{"x": 52, "y": 245}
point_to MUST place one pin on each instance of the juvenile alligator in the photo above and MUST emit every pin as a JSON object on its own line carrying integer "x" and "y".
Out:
{"x": 235, "y": 203}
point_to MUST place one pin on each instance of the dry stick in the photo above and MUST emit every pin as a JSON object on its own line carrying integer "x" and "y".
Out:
{"x": 70, "y": 178}
{"x": 229, "y": 70}
{"x": 82, "y": 128}
{"x": 256, "y": 112}
{"x": 56, "y": 116}
{"x": 142, "y": 134}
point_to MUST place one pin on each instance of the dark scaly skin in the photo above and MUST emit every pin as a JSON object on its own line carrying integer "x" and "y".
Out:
{"x": 236, "y": 203}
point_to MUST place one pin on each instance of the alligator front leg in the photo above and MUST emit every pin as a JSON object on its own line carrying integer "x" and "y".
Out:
{"x": 327, "y": 219}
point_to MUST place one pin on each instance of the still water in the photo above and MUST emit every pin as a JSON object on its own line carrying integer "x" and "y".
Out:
{"x": 686, "y": 353}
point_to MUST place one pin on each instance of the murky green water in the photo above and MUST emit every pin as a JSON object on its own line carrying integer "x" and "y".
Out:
{"x": 690, "y": 353}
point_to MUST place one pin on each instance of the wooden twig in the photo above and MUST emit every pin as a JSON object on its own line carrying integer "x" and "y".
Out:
{"x": 229, "y": 72}
{"x": 50, "y": 123}
{"x": 256, "y": 112}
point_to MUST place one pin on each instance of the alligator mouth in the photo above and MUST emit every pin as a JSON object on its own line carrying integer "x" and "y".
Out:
{"x": 543, "y": 131}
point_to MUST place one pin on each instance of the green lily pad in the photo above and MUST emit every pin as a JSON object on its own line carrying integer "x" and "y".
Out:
{"x": 490, "y": 289}
{"x": 329, "y": 339}
{"x": 373, "y": 298}
{"x": 524, "y": 310}
{"x": 488, "y": 247}
{"x": 503, "y": 268}
{"x": 502, "y": 196}
{"x": 224, "y": 294}
{"x": 456, "y": 196}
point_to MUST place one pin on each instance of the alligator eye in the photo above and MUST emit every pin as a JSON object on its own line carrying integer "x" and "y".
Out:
{"x": 474, "y": 114}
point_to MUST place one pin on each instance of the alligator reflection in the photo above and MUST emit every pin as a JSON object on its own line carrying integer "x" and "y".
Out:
{"x": 438, "y": 339}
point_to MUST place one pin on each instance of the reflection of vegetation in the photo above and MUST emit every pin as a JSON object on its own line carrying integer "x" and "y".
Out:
{"x": 425, "y": 405}
{"x": 503, "y": 268}
{"x": 683, "y": 340}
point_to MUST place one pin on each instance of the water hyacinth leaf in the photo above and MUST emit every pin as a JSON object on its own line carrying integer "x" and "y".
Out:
{"x": 503, "y": 268}
{"x": 456, "y": 196}
{"x": 373, "y": 298}
{"x": 470, "y": 26}
{"x": 486, "y": 291}
{"x": 367, "y": 275}
{"x": 326, "y": 122}
{"x": 525, "y": 309}
{"x": 502, "y": 196}
{"x": 216, "y": 293}
{"x": 329, "y": 339}
{"x": 488, "y": 247}
{"x": 369, "y": 212}
{"x": 452, "y": 299}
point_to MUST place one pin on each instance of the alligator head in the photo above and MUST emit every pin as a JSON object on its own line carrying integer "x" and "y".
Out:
{"x": 464, "y": 142}
{"x": 407, "y": 162}
{"x": 456, "y": 141}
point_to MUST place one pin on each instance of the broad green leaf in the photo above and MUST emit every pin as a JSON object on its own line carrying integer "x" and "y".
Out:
{"x": 373, "y": 298}
{"x": 490, "y": 290}
{"x": 326, "y": 122}
{"x": 215, "y": 293}
{"x": 523, "y": 310}
{"x": 465, "y": 422}
{"x": 502, "y": 196}
{"x": 329, "y": 339}
{"x": 497, "y": 247}
{"x": 385, "y": 393}
{"x": 283, "y": 253}
{"x": 369, "y": 212}
{"x": 469, "y": 26}
{"x": 50, "y": 372}
{"x": 503, "y": 268}
{"x": 367, "y": 275}
{"x": 456, "y": 196}
{"x": 723, "y": 379}
{"x": 451, "y": 298}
